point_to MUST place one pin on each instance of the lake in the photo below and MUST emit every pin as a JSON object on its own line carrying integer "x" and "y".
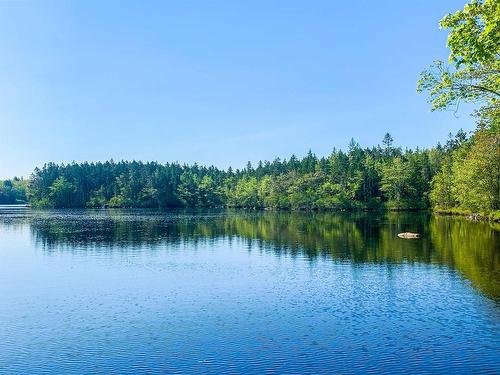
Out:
{"x": 138, "y": 291}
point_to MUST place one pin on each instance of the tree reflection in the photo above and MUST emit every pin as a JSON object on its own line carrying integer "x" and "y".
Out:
{"x": 470, "y": 248}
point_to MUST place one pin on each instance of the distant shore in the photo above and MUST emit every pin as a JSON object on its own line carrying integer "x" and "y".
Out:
{"x": 471, "y": 215}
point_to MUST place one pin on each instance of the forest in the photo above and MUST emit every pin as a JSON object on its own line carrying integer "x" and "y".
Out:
{"x": 356, "y": 179}
{"x": 371, "y": 178}
{"x": 463, "y": 175}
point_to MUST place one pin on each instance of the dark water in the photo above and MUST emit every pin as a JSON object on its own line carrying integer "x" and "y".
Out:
{"x": 238, "y": 292}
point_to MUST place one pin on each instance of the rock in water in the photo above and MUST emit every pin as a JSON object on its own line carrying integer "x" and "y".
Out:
{"x": 408, "y": 235}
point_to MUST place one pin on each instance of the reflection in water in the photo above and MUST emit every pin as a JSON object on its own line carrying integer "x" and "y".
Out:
{"x": 246, "y": 292}
{"x": 471, "y": 248}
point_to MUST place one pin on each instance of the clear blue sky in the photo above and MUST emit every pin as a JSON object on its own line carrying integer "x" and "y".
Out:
{"x": 214, "y": 82}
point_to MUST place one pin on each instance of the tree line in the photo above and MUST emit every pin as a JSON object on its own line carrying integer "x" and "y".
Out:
{"x": 361, "y": 178}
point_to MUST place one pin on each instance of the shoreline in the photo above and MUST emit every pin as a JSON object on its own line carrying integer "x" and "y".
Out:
{"x": 471, "y": 215}
{"x": 468, "y": 214}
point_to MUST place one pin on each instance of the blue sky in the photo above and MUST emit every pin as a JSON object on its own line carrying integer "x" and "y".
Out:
{"x": 214, "y": 82}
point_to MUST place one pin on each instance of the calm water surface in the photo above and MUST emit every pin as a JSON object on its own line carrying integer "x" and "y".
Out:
{"x": 246, "y": 292}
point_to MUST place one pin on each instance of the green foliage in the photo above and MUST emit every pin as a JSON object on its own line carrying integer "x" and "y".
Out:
{"x": 97, "y": 198}
{"x": 441, "y": 194}
{"x": 13, "y": 191}
{"x": 474, "y": 32}
{"x": 448, "y": 87}
{"x": 117, "y": 201}
{"x": 469, "y": 176}
{"x": 357, "y": 179}
{"x": 61, "y": 192}
{"x": 476, "y": 172}
{"x": 395, "y": 183}
{"x": 474, "y": 42}
{"x": 245, "y": 193}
